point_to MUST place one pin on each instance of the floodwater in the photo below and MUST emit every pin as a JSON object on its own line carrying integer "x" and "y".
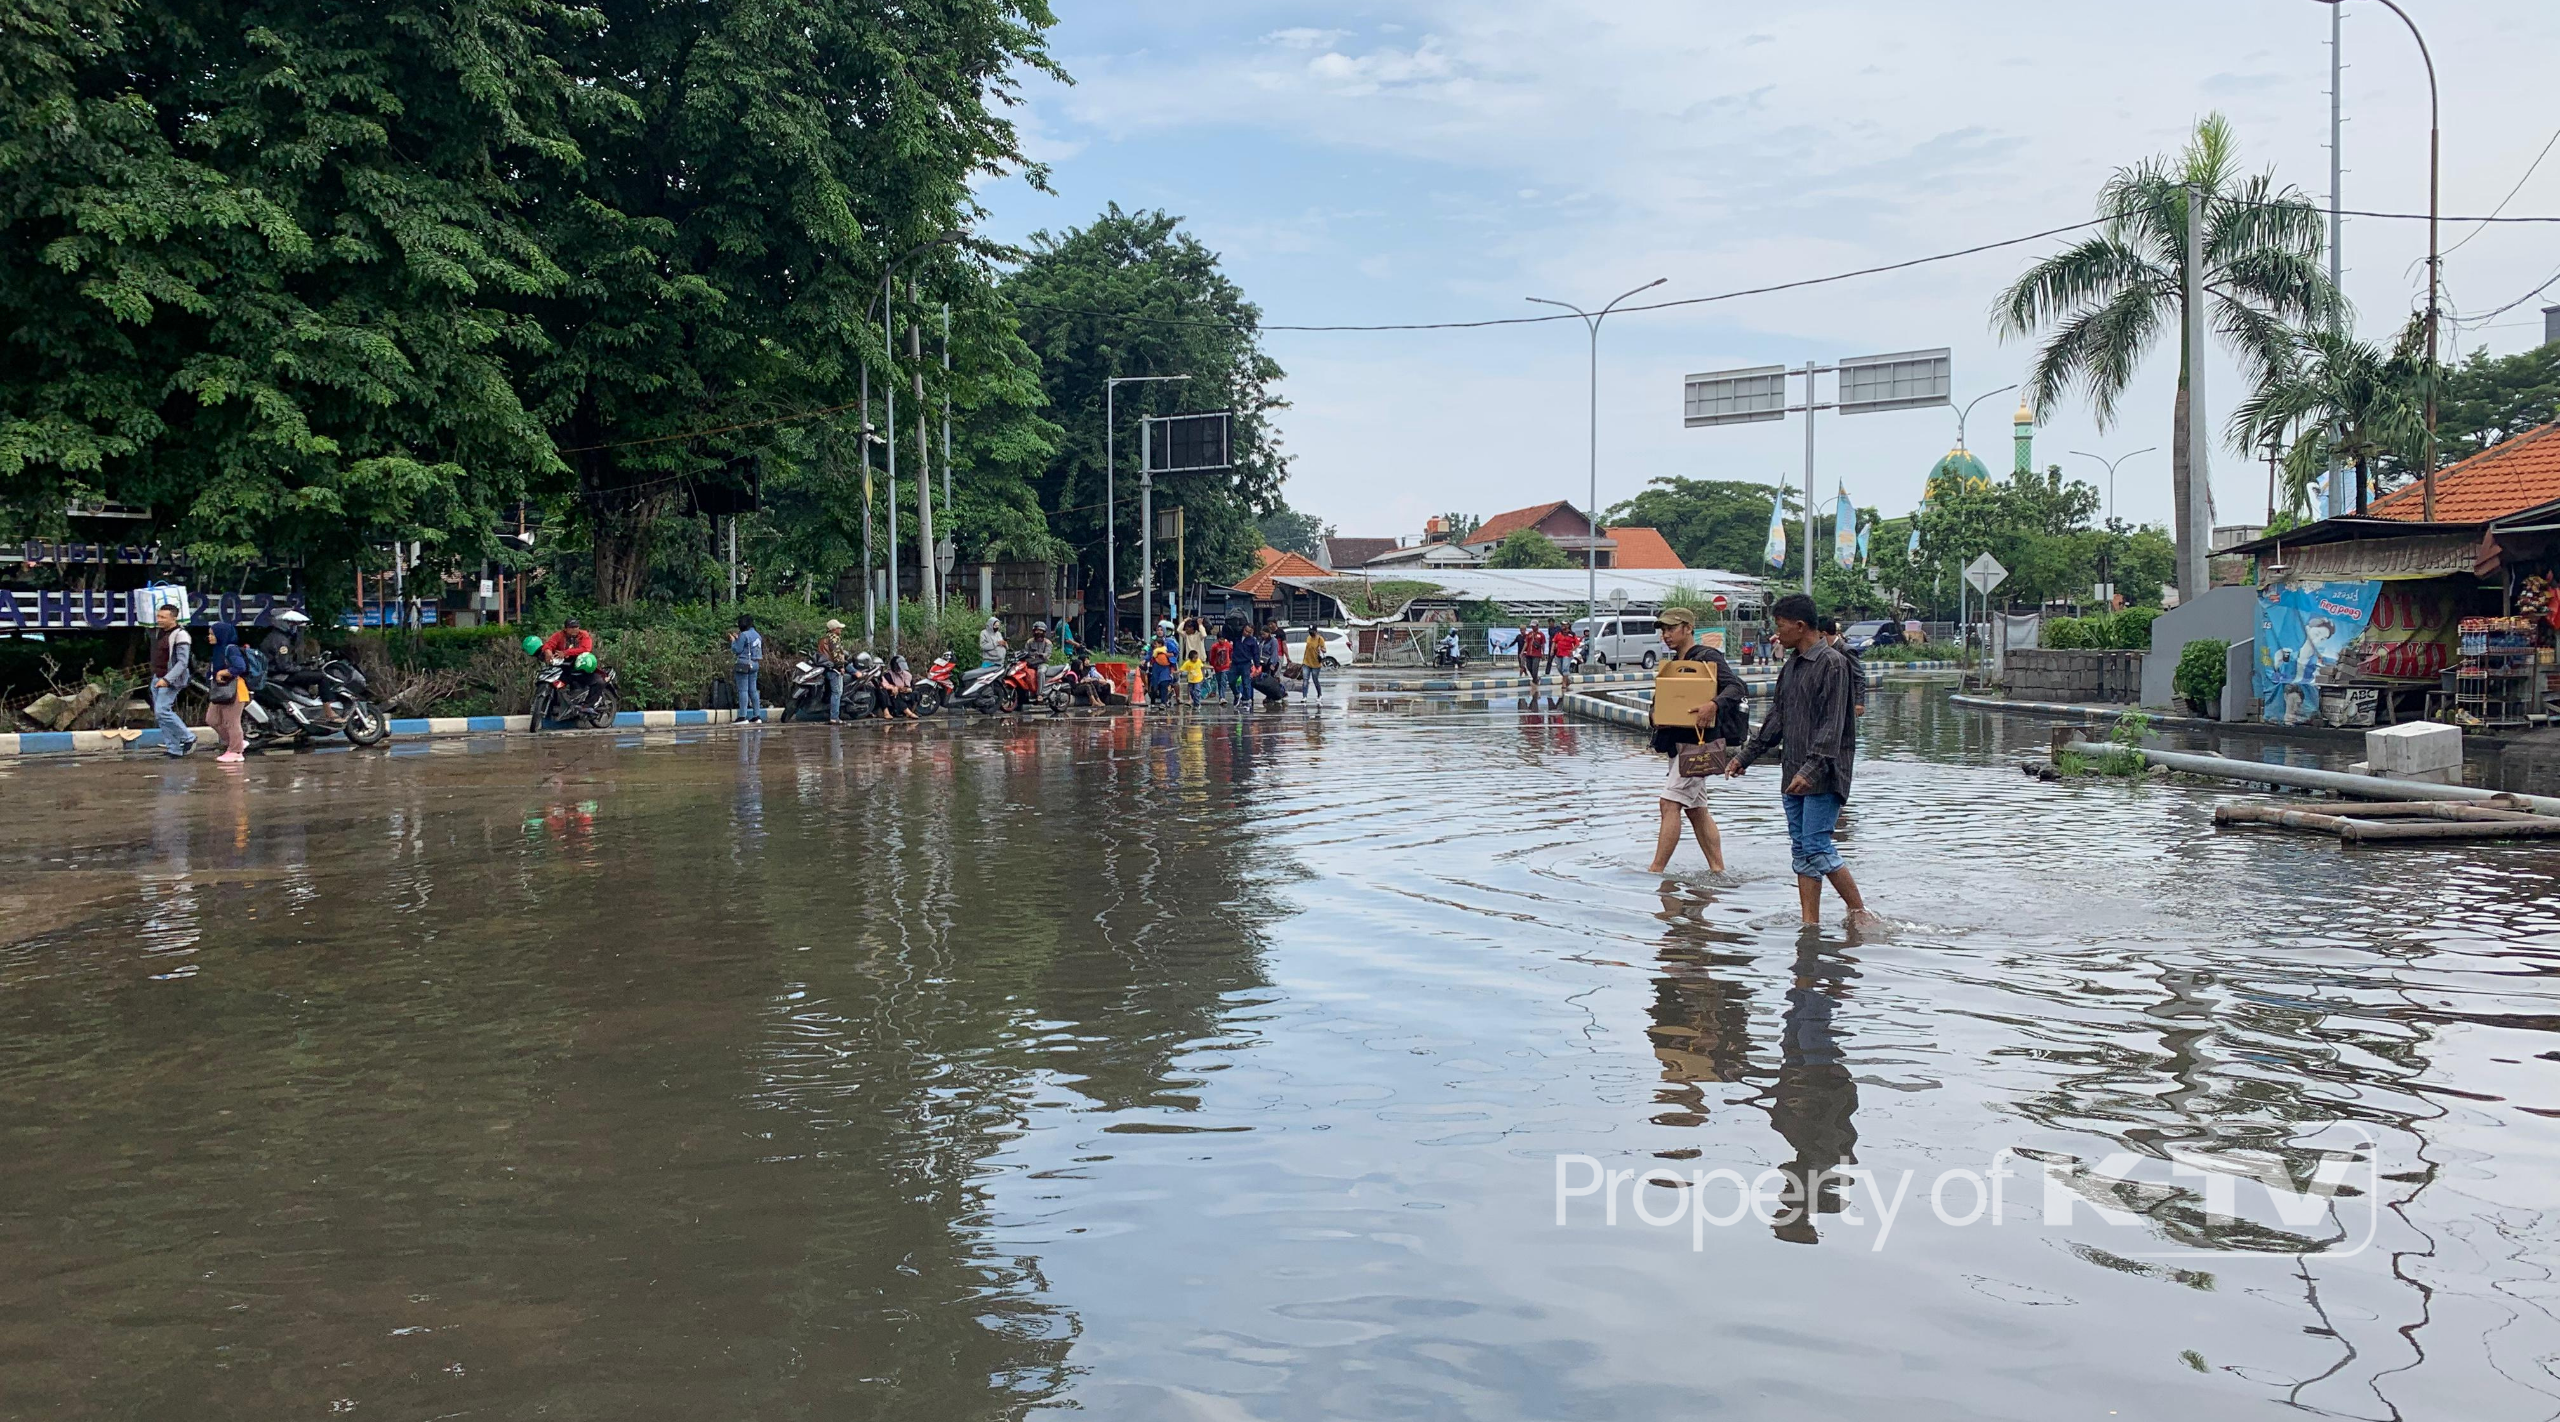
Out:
{"x": 1223, "y": 1068}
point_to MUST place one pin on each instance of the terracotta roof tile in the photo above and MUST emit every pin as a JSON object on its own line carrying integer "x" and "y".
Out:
{"x": 1276, "y": 564}
{"x": 2514, "y": 474}
{"x": 1642, "y": 548}
{"x": 1502, "y": 525}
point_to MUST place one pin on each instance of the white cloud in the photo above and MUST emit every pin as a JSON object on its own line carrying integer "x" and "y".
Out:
{"x": 1498, "y": 148}
{"x": 1302, "y": 37}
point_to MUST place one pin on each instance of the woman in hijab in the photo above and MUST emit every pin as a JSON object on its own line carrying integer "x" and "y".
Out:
{"x": 227, "y": 677}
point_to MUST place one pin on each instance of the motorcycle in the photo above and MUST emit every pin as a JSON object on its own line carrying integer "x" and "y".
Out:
{"x": 1453, "y": 660}
{"x": 809, "y": 694}
{"x": 976, "y": 689}
{"x": 596, "y": 704}
{"x": 1022, "y": 685}
{"x": 296, "y": 714}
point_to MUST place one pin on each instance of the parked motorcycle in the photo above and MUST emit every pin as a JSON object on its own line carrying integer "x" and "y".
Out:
{"x": 554, "y": 699}
{"x": 1020, "y": 687}
{"x": 296, "y": 715}
{"x": 1454, "y": 661}
{"x": 809, "y": 693}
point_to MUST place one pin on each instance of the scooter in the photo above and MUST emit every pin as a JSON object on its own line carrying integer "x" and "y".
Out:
{"x": 596, "y": 704}
{"x": 1019, "y": 688}
{"x": 1444, "y": 657}
{"x": 338, "y": 706}
{"x": 809, "y": 694}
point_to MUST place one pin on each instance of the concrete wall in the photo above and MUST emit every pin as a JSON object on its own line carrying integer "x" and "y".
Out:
{"x": 2073, "y": 676}
{"x": 2228, "y": 614}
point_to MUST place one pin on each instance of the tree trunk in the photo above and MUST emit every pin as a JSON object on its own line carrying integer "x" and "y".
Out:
{"x": 2178, "y": 475}
{"x": 622, "y": 520}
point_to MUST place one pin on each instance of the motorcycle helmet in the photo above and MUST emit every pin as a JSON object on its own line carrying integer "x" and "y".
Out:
{"x": 292, "y": 621}
{"x": 586, "y": 662}
{"x": 532, "y": 646}
{"x": 864, "y": 661}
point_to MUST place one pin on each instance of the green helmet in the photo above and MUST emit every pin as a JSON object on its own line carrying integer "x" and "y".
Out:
{"x": 532, "y": 645}
{"x": 586, "y": 661}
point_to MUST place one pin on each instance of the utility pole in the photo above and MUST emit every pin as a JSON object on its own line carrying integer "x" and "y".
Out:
{"x": 1146, "y": 531}
{"x": 946, "y": 428}
{"x": 870, "y": 596}
{"x": 1810, "y": 369}
{"x": 2194, "y": 576}
{"x": 924, "y": 470}
{"x": 1110, "y": 479}
{"x": 2337, "y": 499}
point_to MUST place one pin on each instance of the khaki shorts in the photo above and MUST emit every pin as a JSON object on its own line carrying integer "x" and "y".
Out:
{"x": 1687, "y": 791}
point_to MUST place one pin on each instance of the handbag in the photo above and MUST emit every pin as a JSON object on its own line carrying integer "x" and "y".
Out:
{"x": 1708, "y": 759}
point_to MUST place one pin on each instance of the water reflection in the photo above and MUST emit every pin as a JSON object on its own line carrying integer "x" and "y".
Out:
{"x": 1215, "y": 1065}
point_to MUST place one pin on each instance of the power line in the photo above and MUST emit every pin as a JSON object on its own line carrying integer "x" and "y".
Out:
{"x": 1796, "y": 285}
{"x": 2511, "y": 194}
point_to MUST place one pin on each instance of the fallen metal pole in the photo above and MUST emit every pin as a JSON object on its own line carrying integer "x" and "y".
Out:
{"x": 2362, "y": 787}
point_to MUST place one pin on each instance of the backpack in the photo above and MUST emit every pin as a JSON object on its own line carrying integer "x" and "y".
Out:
{"x": 257, "y": 661}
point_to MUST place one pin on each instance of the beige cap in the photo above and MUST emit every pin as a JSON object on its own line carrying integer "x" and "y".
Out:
{"x": 834, "y": 626}
{"x": 1676, "y": 617}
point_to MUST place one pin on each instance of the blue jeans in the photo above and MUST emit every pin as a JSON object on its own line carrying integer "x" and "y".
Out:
{"x": 1312, "y": 684}
{"x": 750, "y": 700}
{"x": 1810, "y": 820}
{"x": 835, "y": 694}
{"x": 175, "y": 738}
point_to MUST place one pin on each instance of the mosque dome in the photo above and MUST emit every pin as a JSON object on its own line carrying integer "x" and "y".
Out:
{"x": 1957, "y": 469}
{"x": 2026, "y": 415}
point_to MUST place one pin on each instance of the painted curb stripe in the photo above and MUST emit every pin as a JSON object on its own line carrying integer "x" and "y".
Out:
{"x": 29, "y": 743}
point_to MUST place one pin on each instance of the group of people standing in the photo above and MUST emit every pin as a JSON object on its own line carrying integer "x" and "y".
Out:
{"x": 1812, "y": 725}
{"x": 1231, "y": 663}
{"x": 1552, "y": 648}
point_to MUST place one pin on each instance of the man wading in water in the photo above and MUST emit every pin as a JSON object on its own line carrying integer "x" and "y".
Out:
{"x": 1810, "y": 719}
{"x": 1720, "y": 720}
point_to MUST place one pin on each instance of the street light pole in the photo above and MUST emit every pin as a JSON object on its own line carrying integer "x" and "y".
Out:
{"x": 1591, "y": 516}
{"x": 1968, "y": 412}
{"x": 2111, "y": 471}
{"x": 1110, "y": 494}
{"x": 884, "y": 308}
{"x": 2435, "y": 259}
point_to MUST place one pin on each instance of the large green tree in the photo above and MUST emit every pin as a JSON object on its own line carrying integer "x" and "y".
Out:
{"x": 1710, "y": 523}
{"x": 738, "y": 177}
{"x": 2108, "y": 298}
{"x": 263, "y": 267}
{"x": 1131, "y": 293}
{"x": 2487, "y": 398}
{"x": 309, "y": 275}
{"x": 1528, "y": 548}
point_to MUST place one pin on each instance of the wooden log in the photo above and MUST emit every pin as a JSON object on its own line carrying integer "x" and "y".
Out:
{"x": 2230, "y": 813}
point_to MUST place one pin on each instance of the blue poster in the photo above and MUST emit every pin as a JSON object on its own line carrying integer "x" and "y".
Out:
{"x": 2302, "y": 628}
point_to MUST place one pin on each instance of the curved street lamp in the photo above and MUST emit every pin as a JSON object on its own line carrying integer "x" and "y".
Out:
{"x": 2111, "y": 471}
{"x": 2435, "y": 260}
{"x": 1591, "y": 516}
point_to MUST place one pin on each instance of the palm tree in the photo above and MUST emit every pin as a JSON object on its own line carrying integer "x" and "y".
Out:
{"x": 2353, "y": 401}
{"x": 2108, "y": 297}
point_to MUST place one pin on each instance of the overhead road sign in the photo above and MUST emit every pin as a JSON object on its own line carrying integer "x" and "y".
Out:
{"x": 1734, "y": 397}
{"x": 1907, "y": 380}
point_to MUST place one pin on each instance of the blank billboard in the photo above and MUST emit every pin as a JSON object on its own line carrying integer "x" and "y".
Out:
{"x": 1177, "y": 442}
{"x": 1732, "y": 397}
{"x": 1905, "y": 380}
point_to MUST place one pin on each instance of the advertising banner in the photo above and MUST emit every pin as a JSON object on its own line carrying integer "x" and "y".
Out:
{"x": 2303, "y": 628}
{"x": 2412, "y": 634}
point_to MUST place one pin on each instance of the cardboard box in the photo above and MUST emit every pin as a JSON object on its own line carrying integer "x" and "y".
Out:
{"x": 1679, "y": 689}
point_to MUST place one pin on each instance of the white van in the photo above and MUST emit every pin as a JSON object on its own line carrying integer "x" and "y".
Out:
{"x": 1624, "y": 639}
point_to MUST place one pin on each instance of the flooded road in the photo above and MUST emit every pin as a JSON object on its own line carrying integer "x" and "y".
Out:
{"x": 1242, "y": 1067}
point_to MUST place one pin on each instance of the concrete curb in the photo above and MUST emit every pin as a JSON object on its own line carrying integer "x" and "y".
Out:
{"x": 32, "y": 743}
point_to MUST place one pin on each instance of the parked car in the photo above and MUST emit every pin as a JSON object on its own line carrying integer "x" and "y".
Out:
{"x": 1623, "y": 640}
{"x": 1337, "y": 645}
{"x": 1861, "y": 635}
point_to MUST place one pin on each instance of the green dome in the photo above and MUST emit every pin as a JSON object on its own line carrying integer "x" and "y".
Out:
{"x": 1958, "y": 468}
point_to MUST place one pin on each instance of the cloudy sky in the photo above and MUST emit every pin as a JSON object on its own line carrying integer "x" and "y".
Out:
{"x": 1435, "y": 160}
